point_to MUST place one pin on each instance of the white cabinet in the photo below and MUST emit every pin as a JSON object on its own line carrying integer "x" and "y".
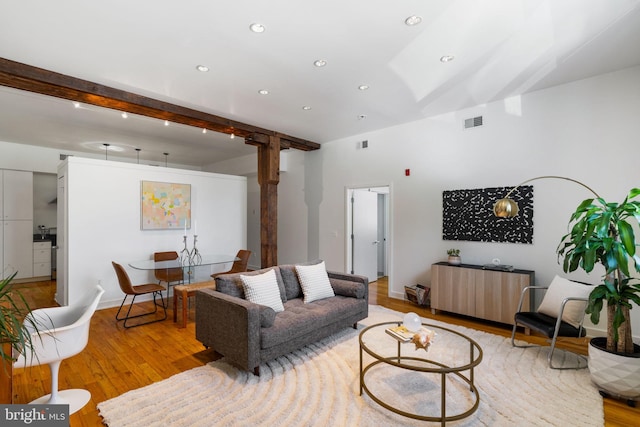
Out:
{"x": 18, "y": 248}
{"x": 16, "y": 194}
{"x": 42, "y": 259}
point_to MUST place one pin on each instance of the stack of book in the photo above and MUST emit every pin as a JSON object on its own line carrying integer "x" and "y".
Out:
{"x": 402, "y": 334}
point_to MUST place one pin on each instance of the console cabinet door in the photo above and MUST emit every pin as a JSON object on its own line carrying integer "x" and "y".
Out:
{"x": 498, "y": 294}
{"x": 453, "y": 289}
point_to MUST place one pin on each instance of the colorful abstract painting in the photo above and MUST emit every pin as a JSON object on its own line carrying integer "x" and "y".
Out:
{"x": 165, "y": 206}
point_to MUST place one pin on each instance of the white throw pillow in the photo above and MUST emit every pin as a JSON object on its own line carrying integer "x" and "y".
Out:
{"x": 559, "y": 289}
{"x": 314, "y": 282}
{"x": 263, "y": 289}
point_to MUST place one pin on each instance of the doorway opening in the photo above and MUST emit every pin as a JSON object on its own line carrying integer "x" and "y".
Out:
{"x": 368, "y": 236}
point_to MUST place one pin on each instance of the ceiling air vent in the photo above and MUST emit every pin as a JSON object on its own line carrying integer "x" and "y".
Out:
{"x": 473, "y": 122}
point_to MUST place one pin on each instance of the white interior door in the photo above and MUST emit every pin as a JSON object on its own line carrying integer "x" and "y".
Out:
{"x": 364, "y": 212}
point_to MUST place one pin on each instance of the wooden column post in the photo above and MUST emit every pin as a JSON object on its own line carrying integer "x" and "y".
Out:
{"x": 268, "y": 178}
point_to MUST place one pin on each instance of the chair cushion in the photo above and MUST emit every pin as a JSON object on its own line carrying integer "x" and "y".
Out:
{"x": 546, "y": 325}
{"x": 314, "y": 281}
{"x": 559, "y": 289}
{"x": 263, "y": 289}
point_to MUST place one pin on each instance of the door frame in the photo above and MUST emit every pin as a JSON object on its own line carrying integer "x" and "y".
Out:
{"x": 389, "y": 227}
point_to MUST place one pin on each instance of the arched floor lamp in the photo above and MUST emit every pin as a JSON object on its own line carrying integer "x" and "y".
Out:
{"x": 508, "y": 208}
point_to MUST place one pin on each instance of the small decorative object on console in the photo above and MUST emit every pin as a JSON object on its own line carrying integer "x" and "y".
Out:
{"x": 454, "y": 257}
{"x": 498, "y": 267}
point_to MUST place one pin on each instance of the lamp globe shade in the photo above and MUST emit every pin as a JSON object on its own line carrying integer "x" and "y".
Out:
{"x": 412, "y": 322}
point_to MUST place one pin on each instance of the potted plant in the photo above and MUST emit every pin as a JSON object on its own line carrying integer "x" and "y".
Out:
{"x": 14, "y": 335}
{"x": 603, "y": 233}
{"x": 454, "y": 257}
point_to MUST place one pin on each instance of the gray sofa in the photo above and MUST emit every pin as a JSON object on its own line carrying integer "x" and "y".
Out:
{"x": 249, "y": 334}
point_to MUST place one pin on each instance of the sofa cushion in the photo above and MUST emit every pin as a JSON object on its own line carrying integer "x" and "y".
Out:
{"x": 347, "y": 288}
{"x": 290, "y": 279}
{"x": 231, "y": 284}
{"x": 314, "y": 281}
{"x": 263, "y": 289}
{"x": 299, "y": 319}
{"x": 267, "y": 316}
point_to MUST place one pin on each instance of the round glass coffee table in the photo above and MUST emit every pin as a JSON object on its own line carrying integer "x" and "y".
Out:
{"x": 452, "y": 357}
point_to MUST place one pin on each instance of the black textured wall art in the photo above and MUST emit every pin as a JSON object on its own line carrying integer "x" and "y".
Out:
{"x": 468, "y": 215}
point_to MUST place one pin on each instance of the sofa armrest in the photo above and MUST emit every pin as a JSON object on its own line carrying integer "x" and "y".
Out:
{"x": 349, "y": 285}
{"x": 229, "y": 325}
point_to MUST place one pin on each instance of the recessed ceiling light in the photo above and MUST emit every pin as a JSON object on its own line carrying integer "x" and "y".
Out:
{"x": 447, "y": 58}
{"x": 363, "y": 87}
{"x": 124, "y": 115}
{"x": 257, "y": 28}
{"x": 263, "y": 92}
{"x": 306, "y": 108}
{"x": 204, "y": 130}
{"x": 166, "y": 122}
{"x": 362, "y": 116}
{"x": 413, "y": 20}
{"x": 202, "y": 68}
{"x": 319, "y": 62}
{"x": 76, "y": 104}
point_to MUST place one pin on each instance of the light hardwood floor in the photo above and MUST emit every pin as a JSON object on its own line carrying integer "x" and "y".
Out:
{"x": 117, "y": 360}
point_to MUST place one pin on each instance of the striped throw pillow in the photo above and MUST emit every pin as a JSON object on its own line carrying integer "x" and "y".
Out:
{"x": 314, "y": 282}
{"x": 263, "y": 289}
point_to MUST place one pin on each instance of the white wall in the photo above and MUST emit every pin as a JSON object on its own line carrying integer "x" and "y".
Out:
{"x": 104, "y": 221}
{"x": 587, "y": 130}
{"x": 293, "y": 214}
{"x": 39, "y": 159}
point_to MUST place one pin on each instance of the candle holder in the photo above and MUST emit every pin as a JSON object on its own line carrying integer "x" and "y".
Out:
{"x": 194, "y": 256}
{"x": 184, "y": 253}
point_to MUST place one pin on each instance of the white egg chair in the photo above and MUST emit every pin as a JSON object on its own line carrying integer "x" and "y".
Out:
{"x": 62, "y": 332}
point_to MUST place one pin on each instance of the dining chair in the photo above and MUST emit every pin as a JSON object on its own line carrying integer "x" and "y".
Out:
{"x": 168, "y": 275}
{"x": 238, "y": 266}
{"x": 134, "y": 290}
{"x": 62, "y": 333}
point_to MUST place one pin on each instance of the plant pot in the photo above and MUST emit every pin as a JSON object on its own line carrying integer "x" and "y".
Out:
{"x": 454, "y": 260}
{"x": 6, "y": 376}
{"x": 614, "y": 373}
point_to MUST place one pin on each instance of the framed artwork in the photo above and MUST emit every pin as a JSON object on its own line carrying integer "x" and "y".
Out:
{"x": 468, "y": 215}
{"x": 165, "y": 205}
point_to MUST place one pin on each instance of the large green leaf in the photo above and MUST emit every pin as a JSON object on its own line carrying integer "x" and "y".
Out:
{"x": 625, "y": 231}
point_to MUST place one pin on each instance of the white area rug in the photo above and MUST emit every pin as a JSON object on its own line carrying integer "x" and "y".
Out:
{"x": 319, "y": 386}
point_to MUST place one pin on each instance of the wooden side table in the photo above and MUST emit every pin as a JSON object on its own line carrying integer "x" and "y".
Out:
{"x": 183, "y": 292}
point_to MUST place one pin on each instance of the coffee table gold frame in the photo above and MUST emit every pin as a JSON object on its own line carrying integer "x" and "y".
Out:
{"x": 475, "y": 357}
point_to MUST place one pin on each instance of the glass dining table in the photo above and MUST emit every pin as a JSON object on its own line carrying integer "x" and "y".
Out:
{"x": 199, "y": 270}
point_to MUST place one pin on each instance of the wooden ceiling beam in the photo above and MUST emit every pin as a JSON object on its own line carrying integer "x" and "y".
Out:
{"x": 38, "y": 80}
